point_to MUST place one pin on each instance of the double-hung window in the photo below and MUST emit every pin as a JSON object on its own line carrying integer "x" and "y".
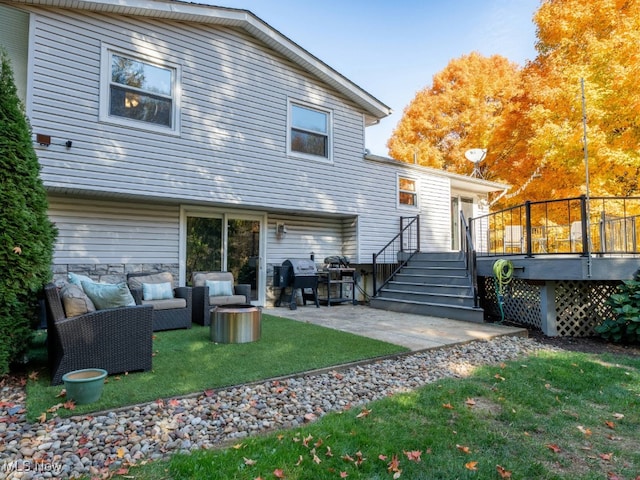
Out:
{"x": 407, "y": 192}
{"x": 309, "y": 131}
{"x": 139, "y": 92}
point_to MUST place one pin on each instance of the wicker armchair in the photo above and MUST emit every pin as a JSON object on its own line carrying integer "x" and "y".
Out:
{"x": 116, "y": 339}
{"x": 168, "y": 314}
{"x": 203, "y": 302}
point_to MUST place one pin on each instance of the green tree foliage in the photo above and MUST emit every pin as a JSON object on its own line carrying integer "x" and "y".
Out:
{"x": 27, "y": 234}
{"x": 624, "y": 326}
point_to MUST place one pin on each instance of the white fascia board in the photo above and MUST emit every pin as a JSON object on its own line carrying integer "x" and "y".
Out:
{"x": 462, "y": 182}
{"x": 231, "y": 17}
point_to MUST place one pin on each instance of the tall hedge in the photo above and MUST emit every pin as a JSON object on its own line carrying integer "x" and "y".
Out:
{"x": 27, "y": 235}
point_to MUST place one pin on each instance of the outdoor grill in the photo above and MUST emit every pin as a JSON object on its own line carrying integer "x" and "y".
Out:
{"x": 297, "y": 274}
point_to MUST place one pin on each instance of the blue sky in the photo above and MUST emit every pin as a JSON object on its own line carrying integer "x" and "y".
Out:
{"x": 392, "y": 49}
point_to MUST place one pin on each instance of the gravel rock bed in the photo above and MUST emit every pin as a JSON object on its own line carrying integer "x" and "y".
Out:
{"x": 88, "y": 445}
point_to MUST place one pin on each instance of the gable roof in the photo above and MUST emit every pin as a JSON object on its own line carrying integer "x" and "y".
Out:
{"x": 231, "y": 17}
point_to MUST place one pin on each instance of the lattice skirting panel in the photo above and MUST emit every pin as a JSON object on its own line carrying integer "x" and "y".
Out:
{"x": 575, "y": 309}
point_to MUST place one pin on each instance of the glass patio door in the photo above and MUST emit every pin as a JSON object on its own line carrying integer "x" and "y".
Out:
{"x": 227, "y": 242}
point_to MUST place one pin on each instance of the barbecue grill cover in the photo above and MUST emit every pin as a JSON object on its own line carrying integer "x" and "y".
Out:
{"x": 300, "y": 267}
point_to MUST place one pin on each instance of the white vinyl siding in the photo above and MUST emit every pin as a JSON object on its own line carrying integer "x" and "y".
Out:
{"x": 114, "y": 232}
{"x": 231, "y": 153}
{"x": 14, "y": 38}
{"x": 232, "y": 148}
{"x": 322, "y": 236}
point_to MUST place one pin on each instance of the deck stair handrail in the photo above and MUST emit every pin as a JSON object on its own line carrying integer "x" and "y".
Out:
{"x": 397, "y": 252}
{"x": 470, "y": 259}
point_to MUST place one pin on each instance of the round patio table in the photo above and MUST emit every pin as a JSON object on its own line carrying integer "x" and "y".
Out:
{"x": 239, "y": 323}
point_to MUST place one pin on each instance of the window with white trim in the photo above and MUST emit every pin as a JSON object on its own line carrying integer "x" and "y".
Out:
{"x": 407, "y": 192}
{"x": 309, "y": 131}
{"x": 139, "y": 92}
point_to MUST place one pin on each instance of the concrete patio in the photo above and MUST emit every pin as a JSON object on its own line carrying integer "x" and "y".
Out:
{"x": 416, "y": 332}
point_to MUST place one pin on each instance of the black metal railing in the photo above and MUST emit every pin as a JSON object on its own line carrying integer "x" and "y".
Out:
{"x": 395, "y": 254}
{"x": 470, "y": 258}
{"x": 579, "y": 225}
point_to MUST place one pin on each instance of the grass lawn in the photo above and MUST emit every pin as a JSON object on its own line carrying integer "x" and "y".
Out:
{"x": 186, "y": 361}
{"x": 560, "y": 415}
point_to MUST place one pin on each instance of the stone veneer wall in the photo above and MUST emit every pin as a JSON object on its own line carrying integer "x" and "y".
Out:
{"x": 112, "y": 273}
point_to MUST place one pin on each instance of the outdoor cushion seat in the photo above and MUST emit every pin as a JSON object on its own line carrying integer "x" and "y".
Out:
{"x": 211, "y": 289}
{"x": 117, "y": 340}
{"x": 172, "y": 306}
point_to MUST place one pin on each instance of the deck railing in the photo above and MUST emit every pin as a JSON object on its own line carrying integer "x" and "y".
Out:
{"x": 395, "y": 254}
{"x": 579, "y": 225}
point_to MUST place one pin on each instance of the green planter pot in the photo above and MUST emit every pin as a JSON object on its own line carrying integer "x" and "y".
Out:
{"x": 84, "y": 386}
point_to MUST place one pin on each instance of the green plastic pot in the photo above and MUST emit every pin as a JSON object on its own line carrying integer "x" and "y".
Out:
{"x": 84, "y": 386}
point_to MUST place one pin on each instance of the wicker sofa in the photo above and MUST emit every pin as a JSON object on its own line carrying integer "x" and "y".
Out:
{"x": 116, "y": 339}
{"x": 168, "y": 313}
{"x": 204, "y": 299}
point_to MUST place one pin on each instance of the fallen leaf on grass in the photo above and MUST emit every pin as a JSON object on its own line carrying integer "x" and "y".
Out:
{"x": 471, "y": 465}
{"x": 17, "y": 250}
{"x": 33, "y": 375}
{"x": 553, "y": 447}
{"x": 63, "y": 393}
{"x": 499, "y": 377}
{"x": 42, "y": 418}
{"x": 344, "y": 474}
{"x": 447, "y": 405}
{"x": 606, "y": 456}
{"x": 470, "y": 402}
{"x": 69, "y": 405}
{"x": 610, "y": 424}
{"x": 463, "y": 448}
{"x": 586, "y": 431}
{"x": 502, "y": 472}
{"x": 363, "y": 413}
{"x": 238, "y": 446}
{"x": 414, "y": 455}
{"x": 278, "y": 473}
{"x": 248, "y": 461}
{"x": 618, "y": 416}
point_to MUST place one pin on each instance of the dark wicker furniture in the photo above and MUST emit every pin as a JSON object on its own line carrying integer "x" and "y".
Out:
{"x": 203, "y": 303}
{"x": 171, "y": 318}
{"x": 117, "y": 339}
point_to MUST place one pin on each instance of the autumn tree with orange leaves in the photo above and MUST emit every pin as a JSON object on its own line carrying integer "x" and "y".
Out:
{"x": 462, "y": 109}
{"x": 530, "y": 119}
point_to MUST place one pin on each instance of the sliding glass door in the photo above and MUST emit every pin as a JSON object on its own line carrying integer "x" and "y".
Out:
{"x": 227, "y": 242}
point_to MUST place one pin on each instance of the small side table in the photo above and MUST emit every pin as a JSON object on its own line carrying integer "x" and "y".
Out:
{"x": 235, "y": 323}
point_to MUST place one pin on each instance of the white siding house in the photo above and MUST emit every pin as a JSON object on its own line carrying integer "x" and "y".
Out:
{"x": 151, "y": 116}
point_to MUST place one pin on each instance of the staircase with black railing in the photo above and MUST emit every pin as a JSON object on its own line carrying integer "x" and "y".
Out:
{"x": 439, "y": 284}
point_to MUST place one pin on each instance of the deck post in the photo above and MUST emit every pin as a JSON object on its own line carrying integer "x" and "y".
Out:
{"x": 527, "y": 220}
{"x": 548, "y": 317}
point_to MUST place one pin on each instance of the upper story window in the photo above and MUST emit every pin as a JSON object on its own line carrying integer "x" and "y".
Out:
{"x": 139, "y": 92}
{"x": 407, "y": 192}
{"x": 309, "y": 131}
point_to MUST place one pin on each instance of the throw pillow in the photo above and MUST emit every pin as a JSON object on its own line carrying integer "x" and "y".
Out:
{"x": 75, "y": 301}
{"x": 219, "y": 288}
{"x": 77, "y": 279}
{"x": 157, "y": 291}
{"x": 108, "y": 295}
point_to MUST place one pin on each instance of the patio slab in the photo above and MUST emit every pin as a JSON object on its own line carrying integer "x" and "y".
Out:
{"x": 416, "y": 332}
